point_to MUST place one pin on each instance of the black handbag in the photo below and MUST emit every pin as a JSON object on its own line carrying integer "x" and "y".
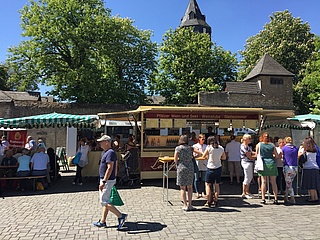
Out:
{"x": 195, "y": 165}
{"x": 303, "y": 159}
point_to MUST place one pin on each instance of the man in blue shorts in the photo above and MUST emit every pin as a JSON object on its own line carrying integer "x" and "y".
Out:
{"x": 107, "y": 172}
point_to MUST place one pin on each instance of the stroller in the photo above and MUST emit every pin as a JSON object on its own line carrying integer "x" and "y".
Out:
{"x": 129, "y": 169}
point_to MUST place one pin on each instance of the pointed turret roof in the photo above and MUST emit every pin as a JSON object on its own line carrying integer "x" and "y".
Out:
{"x": 268, "y": 66}
{"x": 193, "y": 16}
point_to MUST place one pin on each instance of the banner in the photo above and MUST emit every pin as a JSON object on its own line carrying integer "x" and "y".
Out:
{"x": 17, "y": 139}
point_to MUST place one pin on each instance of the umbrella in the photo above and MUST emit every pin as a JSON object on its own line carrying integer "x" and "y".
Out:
{"x": 50, "y": 120}
{"x": 305, "y": 120}
{"x": 306, "y": 117}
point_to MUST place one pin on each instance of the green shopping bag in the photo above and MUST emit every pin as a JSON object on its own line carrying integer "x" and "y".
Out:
{"x": 115, "y": 198}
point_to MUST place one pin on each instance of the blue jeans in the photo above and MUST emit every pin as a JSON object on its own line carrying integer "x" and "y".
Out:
{"x": 199, "y": 180}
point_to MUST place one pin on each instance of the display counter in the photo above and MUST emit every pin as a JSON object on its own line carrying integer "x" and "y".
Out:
{"x": 92, "y": 168}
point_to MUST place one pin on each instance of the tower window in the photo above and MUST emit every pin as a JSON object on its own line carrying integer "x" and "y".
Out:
{"x": 192, "y": 15}
{"x": 276, "y": 81}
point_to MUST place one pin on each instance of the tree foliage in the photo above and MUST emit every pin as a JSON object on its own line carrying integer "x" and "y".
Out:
{"x": 287, "y": 39}
{"x": 83, "y": 52}
{"x": 189, "y": 63}
{"x": 3, "y": 77}
{"x": 309, "y": 88}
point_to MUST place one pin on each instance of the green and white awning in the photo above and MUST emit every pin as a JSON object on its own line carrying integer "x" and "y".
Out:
{"x": 51, "y": 120}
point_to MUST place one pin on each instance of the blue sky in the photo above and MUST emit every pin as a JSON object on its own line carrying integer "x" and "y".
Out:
{"x": 232, "y": 21}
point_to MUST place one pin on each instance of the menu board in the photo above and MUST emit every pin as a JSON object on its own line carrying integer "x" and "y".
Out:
{"x": 165, "y": 123}
{"x": 180, "y": 123}
{"x": 237, "y": 123}
{"x": 152, "y": 123}
{"x": 251, "y": 124}
{"x": 224, "y": 123}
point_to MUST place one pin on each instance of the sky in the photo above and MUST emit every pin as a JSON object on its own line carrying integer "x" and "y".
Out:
{"x": 232, "y": 21}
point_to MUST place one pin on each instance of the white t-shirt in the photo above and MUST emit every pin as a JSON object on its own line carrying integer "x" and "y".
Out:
{"x": 233, "y": 150}
{"x": 84, "y": 155}
{"x": 202, "y": 164}
{"x": 279, "y": 161}
{"x": 214, "y": 160}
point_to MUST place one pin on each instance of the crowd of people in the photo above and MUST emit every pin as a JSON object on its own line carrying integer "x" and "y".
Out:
{"x": 279, "y": 161}
{"x": 32, "y": 160}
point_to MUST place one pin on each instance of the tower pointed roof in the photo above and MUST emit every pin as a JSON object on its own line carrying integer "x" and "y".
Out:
{"x": 194, "y": 17}
{"x": 268, "y": 66}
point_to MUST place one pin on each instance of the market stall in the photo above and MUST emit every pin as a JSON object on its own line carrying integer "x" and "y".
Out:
{"x": 50, "y": 120}
{"x": 161, "y": 127}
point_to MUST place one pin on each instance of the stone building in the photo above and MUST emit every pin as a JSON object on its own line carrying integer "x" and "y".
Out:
{"x": 268, "y": 86}
{"x": 194, "y": 18}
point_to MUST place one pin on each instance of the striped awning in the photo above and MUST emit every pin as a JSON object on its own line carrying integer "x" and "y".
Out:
{"x": 51, "y": 120}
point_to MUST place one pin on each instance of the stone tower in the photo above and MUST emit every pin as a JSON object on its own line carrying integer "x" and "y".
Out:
{"x": 194, "y": 18}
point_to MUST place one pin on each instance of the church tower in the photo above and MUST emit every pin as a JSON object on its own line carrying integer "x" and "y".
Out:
{"x": 194, "y": 18}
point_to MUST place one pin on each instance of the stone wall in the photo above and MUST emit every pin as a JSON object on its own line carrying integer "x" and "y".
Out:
{"x": 271, "y": 96}
{"x": 19, "y": 109}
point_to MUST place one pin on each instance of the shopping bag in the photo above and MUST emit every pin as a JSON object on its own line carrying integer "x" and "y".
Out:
{"x": 259, "y": 162}
{"x": 115, "y": 198}
{"x": 39, "y": 186}
{"x": 76, "y": 158}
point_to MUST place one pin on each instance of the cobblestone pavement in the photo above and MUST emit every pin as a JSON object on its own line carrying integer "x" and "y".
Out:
{"x": 65, "y": 211}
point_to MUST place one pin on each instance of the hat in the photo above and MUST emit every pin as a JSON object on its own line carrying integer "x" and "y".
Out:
{"x": 131, "y": 144}
{"x": 104, "y": 138}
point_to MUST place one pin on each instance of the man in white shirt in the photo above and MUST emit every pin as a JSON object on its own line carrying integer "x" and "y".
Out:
{"x": 233, "y": 156}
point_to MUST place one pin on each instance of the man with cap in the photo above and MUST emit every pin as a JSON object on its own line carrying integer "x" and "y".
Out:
{"x": 107, "y": 172}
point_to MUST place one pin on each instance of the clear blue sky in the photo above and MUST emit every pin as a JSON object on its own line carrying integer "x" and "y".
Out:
{"x": 232, "y": 21}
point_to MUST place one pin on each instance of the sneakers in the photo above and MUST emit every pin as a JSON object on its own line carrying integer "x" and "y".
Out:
{"x": 73, "y": 183}
{"x": 80, "y": 183}
{"x": 99, "y": 224}
{"x": 246, "y": 196}
{"x": 185, "y": 208}
{"x": 122, "y": 221}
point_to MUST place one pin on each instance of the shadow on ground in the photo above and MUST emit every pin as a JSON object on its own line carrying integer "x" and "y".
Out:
{"x": 142, "y": 227}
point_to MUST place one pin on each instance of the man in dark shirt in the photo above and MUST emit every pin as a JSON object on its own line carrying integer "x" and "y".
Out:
{"x": 8, "y": 160}
{"x": 107, "y": 172}
{"x": 209, "y": 133}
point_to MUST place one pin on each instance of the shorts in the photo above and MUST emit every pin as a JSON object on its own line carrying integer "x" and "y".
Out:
{"x": 214, "y": 175}
{"x": 234, "y": 166}
{"x": 106, "y": 192}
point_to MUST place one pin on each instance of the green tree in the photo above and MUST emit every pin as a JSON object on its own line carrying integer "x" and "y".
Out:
{"x": 83, "y": 52}
{"x": 188, "y": 63}
{"x": 3, "y": 77}
{"x": 309, "y": 88}
{"x": 287, "y": 39}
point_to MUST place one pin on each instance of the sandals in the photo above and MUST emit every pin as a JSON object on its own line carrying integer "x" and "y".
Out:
{"x": 275, "y": 202}
{"x": 263, "y": 201}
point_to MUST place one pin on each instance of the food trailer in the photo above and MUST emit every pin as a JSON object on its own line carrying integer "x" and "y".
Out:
{"x": 161, "y": 127}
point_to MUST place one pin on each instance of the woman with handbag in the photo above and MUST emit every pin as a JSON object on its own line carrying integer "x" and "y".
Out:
{"x": 268, "y": 154}
{"x": 290, "y": 168}
{"x": 183, "y": 156}
{"x": 83, "y": 149}
{"x": 310, "y": 171}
